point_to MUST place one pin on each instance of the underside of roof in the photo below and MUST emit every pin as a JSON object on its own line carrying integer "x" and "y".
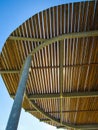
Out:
{"x": 62, "y": 86}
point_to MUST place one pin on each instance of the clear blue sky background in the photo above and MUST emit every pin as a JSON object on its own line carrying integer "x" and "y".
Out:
{"x": 12, "y": 14}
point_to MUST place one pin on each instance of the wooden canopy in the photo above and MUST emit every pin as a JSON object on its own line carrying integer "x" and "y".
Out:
{"x": 62, "y": 86}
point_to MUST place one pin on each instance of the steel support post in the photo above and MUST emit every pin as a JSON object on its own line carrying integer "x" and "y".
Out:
{"x": 16, "y": 108}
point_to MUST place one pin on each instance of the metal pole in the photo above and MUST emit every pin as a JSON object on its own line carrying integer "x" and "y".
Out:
{"x": 16, "y": 108}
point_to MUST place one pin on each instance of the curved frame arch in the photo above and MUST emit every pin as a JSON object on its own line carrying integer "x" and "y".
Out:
{"x": 46, "y": 43}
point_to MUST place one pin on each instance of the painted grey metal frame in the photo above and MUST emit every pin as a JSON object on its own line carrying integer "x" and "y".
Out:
{"x": 16, "y": 109}
{"x": 50, "y": 41}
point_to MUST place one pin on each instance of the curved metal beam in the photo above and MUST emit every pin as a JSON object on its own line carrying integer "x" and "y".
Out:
{"x": 46, "y": 43}
{"x": 60, "y": 37}
{"x": 65, "y": 36}
{"x": 65, "y": 124}
{"x": 43, "y": 112}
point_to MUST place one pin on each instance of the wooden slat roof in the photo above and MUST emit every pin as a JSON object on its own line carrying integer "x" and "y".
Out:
{"x": 63, "y": 41}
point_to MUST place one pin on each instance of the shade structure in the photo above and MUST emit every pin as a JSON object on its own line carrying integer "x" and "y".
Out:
{"x": 62, "y": 86}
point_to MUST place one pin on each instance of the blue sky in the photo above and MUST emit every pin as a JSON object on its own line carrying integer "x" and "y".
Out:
{"x": 12, "y": 14}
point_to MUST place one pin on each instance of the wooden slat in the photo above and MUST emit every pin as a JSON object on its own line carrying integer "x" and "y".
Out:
{"x": 76, "y": 25}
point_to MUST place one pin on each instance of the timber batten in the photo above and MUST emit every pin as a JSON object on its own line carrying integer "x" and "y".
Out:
{"x": 62, "y": 85}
